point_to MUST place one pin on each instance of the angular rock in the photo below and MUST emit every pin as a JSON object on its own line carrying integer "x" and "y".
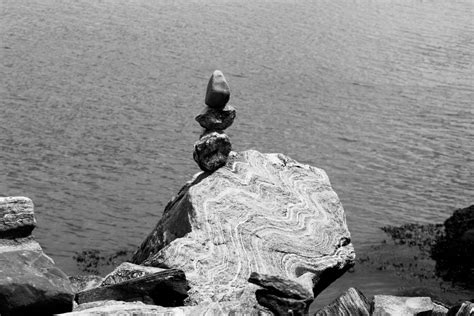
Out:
{"x": 16, "y": 217}
{"x": 218, "y": 91}
{"x": 350, "y": 303}
{"x": 85, "y": 282}
{"x": 280, "y": 286}
{"x": 439, "y": 310}
{"x": 387, "y": 305}
{"x": 211, "y": 151}
{"x": 165, "y": 288}
{"x": 262, "y": 213}
{"x": 120, "y": 308}
{"x": 30, "y": 284}
{"x": 215, "y": 119}
{"x": 464, "y": 309}
{"x": 282, "y": 296}
{"x": 127, "y": 271}
{"x": 283, "y": 305}
{"x": 19, "y": 244}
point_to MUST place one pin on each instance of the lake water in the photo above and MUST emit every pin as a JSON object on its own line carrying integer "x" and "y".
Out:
{"x": 98, "y": 100}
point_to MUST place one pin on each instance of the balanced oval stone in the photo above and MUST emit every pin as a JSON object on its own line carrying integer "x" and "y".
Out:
{"x": 211, "y": 151}
{"x": 214, "y": 119}
{"x": 218, "y": 91}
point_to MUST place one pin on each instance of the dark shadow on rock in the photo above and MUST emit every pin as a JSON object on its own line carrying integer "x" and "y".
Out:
{"x": 454, "y": 251}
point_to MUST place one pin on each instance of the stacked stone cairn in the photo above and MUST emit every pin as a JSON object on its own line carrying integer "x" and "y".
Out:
{"x": 212, "y": 149}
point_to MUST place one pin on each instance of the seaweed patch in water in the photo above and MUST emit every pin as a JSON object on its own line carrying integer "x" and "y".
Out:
{"x": 94, "y": 261}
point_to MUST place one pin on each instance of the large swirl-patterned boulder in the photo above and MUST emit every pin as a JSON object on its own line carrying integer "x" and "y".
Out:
{"x": 262, "y": 213}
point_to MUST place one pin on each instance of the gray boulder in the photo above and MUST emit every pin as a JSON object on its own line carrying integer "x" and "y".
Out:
{"x": 30, "y": 282}
{"x": 263, "y": 213}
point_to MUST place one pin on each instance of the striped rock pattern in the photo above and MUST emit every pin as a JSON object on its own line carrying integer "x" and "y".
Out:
{"x": 262, "y": 213}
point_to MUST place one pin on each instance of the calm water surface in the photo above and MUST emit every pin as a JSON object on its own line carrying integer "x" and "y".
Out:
{"x": 98, "y": 100}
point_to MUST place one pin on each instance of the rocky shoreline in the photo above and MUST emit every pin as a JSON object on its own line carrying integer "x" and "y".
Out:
{"x": 252, "y": 234}
{"x": 144, "y": 290}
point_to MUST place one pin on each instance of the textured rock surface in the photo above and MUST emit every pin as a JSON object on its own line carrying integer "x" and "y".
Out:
{"x": 211, "y": 151}
{"x": 439, "y": 310}
{"x": 218, "y": 91}
{"x": 387, "y": 305}
{"x": 121, "y": 308}
{"x": 216, "y": 120}
{"x": 282, "y": 305}
{"x": 16, "y": 217}
{"x": 280, "y": 286}
{"x": 464, "y": 309}
{"x": 262, "y": 213}
{"x": 350, "y": 303}
{"x": 127, "y": 271}
{"x": 165, "y": 288}
{"x": 113, "y": 307}
{"x": 280, "y": 295}
{"x": 85, "y": 282}
{"x": 30, "y": 284}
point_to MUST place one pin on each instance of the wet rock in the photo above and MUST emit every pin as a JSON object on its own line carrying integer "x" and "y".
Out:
{"x": 350, "y": 303}
{"x": 85, "y": 282}
{"x": 165, "y": 288}
{"x": 263, "y": 213}
{"x": 16, "y": 217}
{"x": 31, "y": 284}
{"x": 211, "y": 151}
{"x": 453, "y": 252}
{"x": 218, "y": 91}
{"x": 386, "y": 305}
{"x": 215, "y": 119}
{"x": 127, "y": 271}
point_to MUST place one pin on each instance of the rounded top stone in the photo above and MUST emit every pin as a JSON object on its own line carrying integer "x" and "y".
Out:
{"x": 218, "y": 91}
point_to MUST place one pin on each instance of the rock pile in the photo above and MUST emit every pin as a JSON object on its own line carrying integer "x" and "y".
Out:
{"x": 212, "y": 149}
